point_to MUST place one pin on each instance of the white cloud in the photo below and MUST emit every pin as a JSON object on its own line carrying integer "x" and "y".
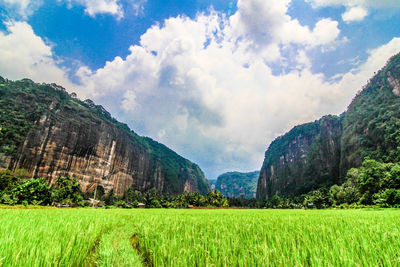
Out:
{"x": 21, "y": 8}
{"x": 356, "y": 10}
{"x": 95, "y": 7}
{"x": 354, "y": 14}
{"x": 205, "y": 86}
{"x": 138, "y": 7}
{"x": 266, "y": 22}
{"x": 24, "y": 55}
{"x": 365, "y": 3}
{"x": 377, "y": 59}
{"x": 199, "y": 87}
{"x": 24, "y": 8}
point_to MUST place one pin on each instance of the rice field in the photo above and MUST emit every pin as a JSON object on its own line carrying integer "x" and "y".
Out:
{"x": 164, "y": 237}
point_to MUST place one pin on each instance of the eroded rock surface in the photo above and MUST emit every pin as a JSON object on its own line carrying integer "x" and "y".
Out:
{"x": 80, "y": 139}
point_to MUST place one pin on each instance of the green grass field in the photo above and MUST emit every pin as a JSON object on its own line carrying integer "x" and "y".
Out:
{"x": 99, "y": 237}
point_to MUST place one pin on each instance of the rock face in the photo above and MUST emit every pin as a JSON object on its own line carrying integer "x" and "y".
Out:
{"x": 371, "y": 125}
{"x": 238, "y": 184}
{"x": 62, "y": 135}
{"x": 302, "y": 159}
{"x": 319, "y": 154}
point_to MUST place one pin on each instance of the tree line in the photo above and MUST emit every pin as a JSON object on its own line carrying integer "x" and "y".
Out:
{"x": 17, "y": 189}
{"x": 373, "y": 184}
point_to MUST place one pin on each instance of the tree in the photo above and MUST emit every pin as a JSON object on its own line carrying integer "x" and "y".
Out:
{"x": 389, "y": 197}
{"x": 275, "y": 201}
{"x": 393, "y": 179}
{"x": 348, "y": 192}
{"x": 110, "y": 198}
{"x": 216, "y": 199}
{"x": 371, "y": 173}
{"x": 152, "y": 198}
{"x": 195, "y": 199}
{"x": 66, "y": 189}
{"x": 319, "y": 199}
{"x": 352, "y": 179}
{"x": 132, "y": 195}
{"x": 34, "y": 191}
{"x": 7, "y": 180}
{"x": 336, "y": 194}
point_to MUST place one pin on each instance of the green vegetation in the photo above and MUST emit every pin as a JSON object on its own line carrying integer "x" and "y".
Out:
{"x": 371, "y": 125}
{"x": 238, "y": 184}
{"x": 377, "y": 183}
{"x": 21, "y": 104}
{"x": 305, "y": 158}
{"x": 24, "y": 103}
{"x": 16, "y": 189}
{"x": 312, "y": 157}
{"x": 373, "y": 184}
{"x": 162, "y": 237}
{"x": 154, "y": 199}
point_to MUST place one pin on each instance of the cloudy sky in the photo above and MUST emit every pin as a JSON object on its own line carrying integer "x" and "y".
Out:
{"x": 216, "y": 81}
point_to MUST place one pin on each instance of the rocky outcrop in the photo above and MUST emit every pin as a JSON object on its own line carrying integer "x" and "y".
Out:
{"x": 301, "y": 159}
{"x": 212, "y": 184}
{"x": 319, "y": 154}
{"x": 394, "y": 83}
{"x": 238, "y": 184}
{"x": 82, "y": 140}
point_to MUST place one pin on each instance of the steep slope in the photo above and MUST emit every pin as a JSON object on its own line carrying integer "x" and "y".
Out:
{"x": 48, "y": 132}
{"x": 319, "y": 154}
{"x": 238, "y": 184}
{"x": 302, "y": 159}
{"x": 371, "y": 126}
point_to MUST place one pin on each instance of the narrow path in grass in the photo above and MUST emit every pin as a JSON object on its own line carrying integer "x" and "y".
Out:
{"x": 141, "y": 250}
{"x": 119, "y": 247}
{"x": 91, "y": 259}
{"x": 92, "y": 254}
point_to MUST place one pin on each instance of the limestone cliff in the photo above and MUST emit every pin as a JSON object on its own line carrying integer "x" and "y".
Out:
{"x": 302, "y": 159}
{"x": 371, "y": 125}
{"x": 238, "y": 184}
{"x": 319, "y": 154}
{"x": 50, "y": 133}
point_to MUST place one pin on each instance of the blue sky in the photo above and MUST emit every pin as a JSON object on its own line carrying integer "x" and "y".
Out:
{"x": 216, "y": 81}
{"x": 95, "y": 40}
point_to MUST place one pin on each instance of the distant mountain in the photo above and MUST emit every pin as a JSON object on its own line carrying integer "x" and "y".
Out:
{"x": 319, "y": 154}
{"x": 50, "y": 133}
{"x": 212, "y": 184}
{"x": 237, "y": 184}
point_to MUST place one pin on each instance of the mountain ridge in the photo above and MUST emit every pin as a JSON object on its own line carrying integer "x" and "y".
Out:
{"x": 319, "y": 154}
{"x": 237, "y": 184}
{"x": 50, "y": 133}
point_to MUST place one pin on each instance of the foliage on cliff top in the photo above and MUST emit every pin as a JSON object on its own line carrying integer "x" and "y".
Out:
{"x": 24, "y": 102}
{"x": 21, "y": 104}
{"x": 371, "y": 125}
{"x": 283, "y": 143}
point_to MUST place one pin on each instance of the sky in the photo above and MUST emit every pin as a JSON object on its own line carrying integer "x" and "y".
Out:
{"x": 216, "y": 81}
